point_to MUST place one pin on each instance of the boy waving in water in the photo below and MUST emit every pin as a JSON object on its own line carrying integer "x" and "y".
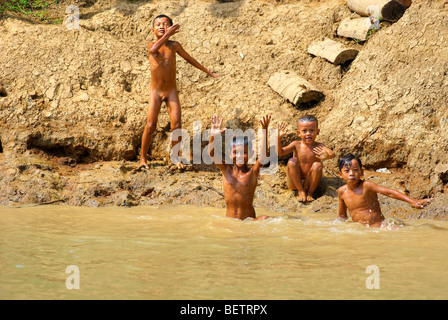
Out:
{"x": 239, "y": 181}
{"x": 163, "y": 88}
{"x": 304, "y": 169}
{"x": 360, "y": 197}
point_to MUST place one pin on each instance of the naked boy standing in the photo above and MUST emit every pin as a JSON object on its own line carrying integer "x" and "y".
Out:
{"x": 163, "y": 87}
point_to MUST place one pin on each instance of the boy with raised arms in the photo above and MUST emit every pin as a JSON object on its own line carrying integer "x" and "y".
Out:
{"x": 239, "y": 181}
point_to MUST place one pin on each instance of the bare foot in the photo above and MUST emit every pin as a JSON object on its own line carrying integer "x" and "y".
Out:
{"x": 143, "y": 164}
{"x": 177, "y": 166}
{"x": 301, "y": 197}
{"x": 261, "y": 218}
{"x": 180, "y": 166}
{"x": 309, "y": 198}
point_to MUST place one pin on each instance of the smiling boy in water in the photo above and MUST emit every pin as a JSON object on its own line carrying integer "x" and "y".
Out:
{"x": 163, "y": 87}
{"x": 360, "y": 197}
{"x": 239, "y": 181}
{"x": 304, "y": 169}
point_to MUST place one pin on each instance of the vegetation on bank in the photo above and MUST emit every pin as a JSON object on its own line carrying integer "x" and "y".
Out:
{"x": 36, "y": 9}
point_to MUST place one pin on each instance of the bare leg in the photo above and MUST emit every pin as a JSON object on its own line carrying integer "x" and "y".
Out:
{"x": 294, "y": 179}
{"x": 151, "y": 124}
{"x": 313, "y": 179}
{"x": 173, "y": 105}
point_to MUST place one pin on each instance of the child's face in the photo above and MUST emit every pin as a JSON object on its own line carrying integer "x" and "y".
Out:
{"x": 160, "y": 26}
{"x": 308, "y": 131}
{"x": 351, "y": 173}
{"x": 240, "y": 155}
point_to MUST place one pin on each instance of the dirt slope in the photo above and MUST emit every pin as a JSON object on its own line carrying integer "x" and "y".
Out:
{"x": 81, "y": 95}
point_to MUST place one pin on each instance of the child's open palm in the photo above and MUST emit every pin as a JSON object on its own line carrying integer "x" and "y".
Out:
{"x": 282, "y": 129}
{"x": 215, "y": 129}
{"x": 173, "y": 30}
{"x": 265, "y": 121}
{"x": 320, "y": 153}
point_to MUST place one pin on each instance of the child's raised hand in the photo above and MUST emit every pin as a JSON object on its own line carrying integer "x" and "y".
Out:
{"x": 265, "y": 121}
{"x": 216, "y": 126}
{"x": 320, "y": 153}
{"x": 282, "y": 129}
{"x": 173, "y": 29}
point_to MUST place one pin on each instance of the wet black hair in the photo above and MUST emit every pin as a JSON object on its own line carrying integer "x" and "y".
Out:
{"x": 308, "y": 118}
{"x": 347, "y": 161}
{"x": 161, "y": 16}
{"x": 241, "y": 141}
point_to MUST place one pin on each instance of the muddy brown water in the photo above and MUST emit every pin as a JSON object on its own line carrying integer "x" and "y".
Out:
{"x": 190, "y": 252}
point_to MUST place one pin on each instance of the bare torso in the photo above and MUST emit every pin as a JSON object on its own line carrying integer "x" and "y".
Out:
{"x": 363, "y": 205}
{"x": 306, "y": 156}
{"x": 239, "y": 188}
{"x": 163, "y": 70}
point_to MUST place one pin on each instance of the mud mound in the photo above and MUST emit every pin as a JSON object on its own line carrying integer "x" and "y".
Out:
{"x": 391, "y": 105}
{"x": 82, "y": 94}
{"x": 89, "y": 87}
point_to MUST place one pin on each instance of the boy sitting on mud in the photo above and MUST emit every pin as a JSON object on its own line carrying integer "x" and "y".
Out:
{"x": 360, "y": 197}
{"x": 304, "y": 169}
{"x": 239, "y": 181}
{"x": 163, "y": 88}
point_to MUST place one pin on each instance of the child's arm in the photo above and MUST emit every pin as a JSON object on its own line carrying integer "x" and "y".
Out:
{"x": 262, "y": 160}
{"x": 289, "y": 148}
{"x": 342, "y": 213}
{"x": 215, "y": 131}
{"x": 184, "y": 54}
{"x": 323, "y": 153}
{"x": 154, "y": 47}
{"x": 398, "y": 195}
